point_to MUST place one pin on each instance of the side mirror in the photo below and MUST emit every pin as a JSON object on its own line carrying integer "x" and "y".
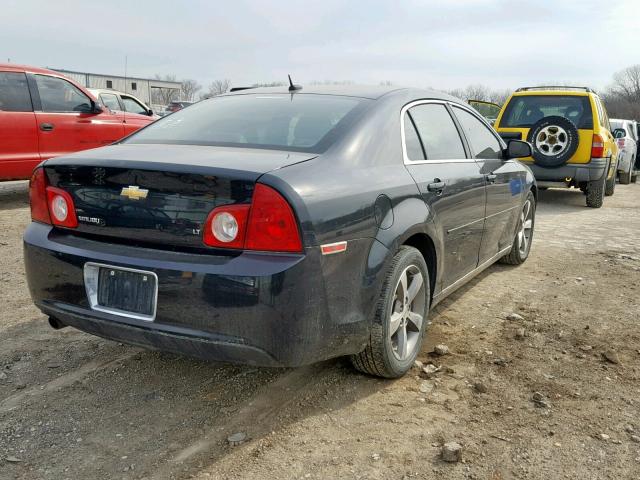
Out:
{"x": 619, "y": 133}
{"x": 150, "y": 112}
{"x": 518, "y": 149}
{"x": 95, "y": 107}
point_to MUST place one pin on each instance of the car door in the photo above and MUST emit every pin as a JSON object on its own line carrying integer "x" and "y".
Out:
{"x": 450, "y": 182}
{"x": 19, "y": 152}
{"x": 66, "y": 121}
{"x": 137, "y": 115}
{"x": 504, "y": 179}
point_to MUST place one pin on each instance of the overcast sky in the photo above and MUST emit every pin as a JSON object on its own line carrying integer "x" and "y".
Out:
{"x": 443, "y": 44}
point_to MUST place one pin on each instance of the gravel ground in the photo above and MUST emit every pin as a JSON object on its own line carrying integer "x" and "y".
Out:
{"x": 552, "y": 392}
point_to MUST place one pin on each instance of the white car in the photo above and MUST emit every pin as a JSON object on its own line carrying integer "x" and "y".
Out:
{"x": 123, "y": 102}
{"x": 626, "y": 134}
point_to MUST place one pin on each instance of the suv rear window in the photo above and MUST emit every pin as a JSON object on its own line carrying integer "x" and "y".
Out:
{"x": 299, "y": 122}
{"x": 524, "y": 111}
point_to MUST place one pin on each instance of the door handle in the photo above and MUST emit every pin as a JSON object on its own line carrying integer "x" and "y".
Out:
{"x": 436, "y": 186}
{"x": 491, "y": 177}
{"x": 46, "y": 127}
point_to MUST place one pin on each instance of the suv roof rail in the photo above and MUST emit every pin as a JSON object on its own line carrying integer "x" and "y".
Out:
{"x": 555, "y": 87}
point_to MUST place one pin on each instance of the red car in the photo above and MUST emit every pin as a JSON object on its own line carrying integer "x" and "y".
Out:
{"x": 44, "y": 114}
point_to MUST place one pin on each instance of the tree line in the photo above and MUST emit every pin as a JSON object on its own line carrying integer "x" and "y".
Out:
{"x": 621, "y": 97}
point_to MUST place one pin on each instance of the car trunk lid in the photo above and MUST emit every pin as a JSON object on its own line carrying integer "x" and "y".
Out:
{"x": 156, "y": 195}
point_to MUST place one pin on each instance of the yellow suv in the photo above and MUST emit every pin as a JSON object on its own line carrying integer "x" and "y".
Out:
{"x": 569, "y": 131}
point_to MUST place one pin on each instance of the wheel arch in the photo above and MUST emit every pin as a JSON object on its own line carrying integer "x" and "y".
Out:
{"x": 425, "y": 245}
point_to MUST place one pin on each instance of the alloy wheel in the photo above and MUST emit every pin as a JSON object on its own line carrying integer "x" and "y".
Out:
{"x": 407, "y": 309}
{"x": 526, "y": 229}
{"x": 552, "y": 140}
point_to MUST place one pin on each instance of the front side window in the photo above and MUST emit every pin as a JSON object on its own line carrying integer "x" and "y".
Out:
{"x": 439, "y": 135}
{"x": 524, "y": 111}
{"x": 59, "y": 95}
{"x": 484, "y": 144}
{"x": 299, "y": 122}
{"x": 132, "y": 106}
{"x": 14, "y": 92}
{"x": 110, "y": 101}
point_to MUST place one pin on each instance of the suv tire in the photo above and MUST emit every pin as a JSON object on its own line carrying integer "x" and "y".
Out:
{"x": 549, "y": 134}
{"x": 610, "y": 186}
{"x": 384, "y": 357}
{"x": 519, "y": 252}
{"x": 595, "y": 192}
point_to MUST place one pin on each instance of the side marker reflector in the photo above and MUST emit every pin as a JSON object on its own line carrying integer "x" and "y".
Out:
{"x": 331, "y": 248}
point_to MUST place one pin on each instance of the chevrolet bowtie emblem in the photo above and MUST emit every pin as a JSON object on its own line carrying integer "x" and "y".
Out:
{"x": 133, "y": 192}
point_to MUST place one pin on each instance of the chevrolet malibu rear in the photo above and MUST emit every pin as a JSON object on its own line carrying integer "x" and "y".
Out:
{"x": 184, "y": 238}
{"x": 280, "y": 227}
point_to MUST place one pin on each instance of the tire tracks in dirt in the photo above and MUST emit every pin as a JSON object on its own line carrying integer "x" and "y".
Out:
{"x": 16, "y": 400}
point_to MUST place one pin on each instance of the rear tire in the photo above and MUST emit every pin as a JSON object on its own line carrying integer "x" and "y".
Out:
{"x": 396, "y": 316}
{"x": 595, "y": 192}
{"x": 625, "y": 177}
{"x": 610, "y": 186}
{"x": 524, "y": 235}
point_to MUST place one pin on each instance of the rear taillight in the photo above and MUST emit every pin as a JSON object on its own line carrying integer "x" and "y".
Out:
{"x": 597, "y": 146}
{"x": 226, "y": 226}
{"x": 267, "y": 224}
{"x": 38, "y": 196}
{"x": 61, "y": 208}
{"x": 50, "y": 204}
{"x": 272, "y": 225}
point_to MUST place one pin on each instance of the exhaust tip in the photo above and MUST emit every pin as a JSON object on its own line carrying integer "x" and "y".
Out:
{"x": 55, "y": 323}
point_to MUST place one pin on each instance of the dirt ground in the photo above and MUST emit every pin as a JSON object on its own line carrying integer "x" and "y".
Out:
{"x": 74, "y": 406}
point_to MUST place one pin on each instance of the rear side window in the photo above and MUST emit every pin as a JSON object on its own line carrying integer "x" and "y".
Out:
{"x": 299, "y": 122}
{"x": 412, "y": 141}
{"x": 59, "y": 95}
{"x": 14, "y": 92}
{"x": 524, "y": 111}
{"x": 439, "y": 135}
{"x": 483, "y": 142}
{"x": 111, "y": 101}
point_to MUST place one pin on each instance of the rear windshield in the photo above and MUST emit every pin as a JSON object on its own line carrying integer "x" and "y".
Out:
{"x": 524, "y": 111}
{"x": 298, "y": 122}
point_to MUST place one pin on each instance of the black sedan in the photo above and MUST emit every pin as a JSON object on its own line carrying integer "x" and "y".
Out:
{"x": 280, "y": 227}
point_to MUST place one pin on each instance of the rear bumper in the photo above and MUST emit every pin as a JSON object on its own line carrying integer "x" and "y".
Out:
{"x": 255, "y": 308}
{"x": 583, "y": 172}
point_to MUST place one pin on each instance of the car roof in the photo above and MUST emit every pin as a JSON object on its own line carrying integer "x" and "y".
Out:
{"x": 12, "y": 67}
{"x": 363, "y": 91}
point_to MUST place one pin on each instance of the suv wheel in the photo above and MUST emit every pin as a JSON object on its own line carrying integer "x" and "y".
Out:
{"x": 400, "y": 318}
{"x": 610, "y": 186}
{"x": 595, "y": 192}
{"x": 554, "y": 140}
{"x": 524, "y": 235}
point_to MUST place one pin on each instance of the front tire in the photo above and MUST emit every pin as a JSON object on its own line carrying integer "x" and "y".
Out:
{"x": 400, "y": 318}
{"x": 524, "y": 234}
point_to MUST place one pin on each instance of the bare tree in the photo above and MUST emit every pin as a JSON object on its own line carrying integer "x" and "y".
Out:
{"x": 189, "y": 88}
{"x": 164, "y": 96}
{"x": 626, "y": 83}
{"x": 217, "y": 87}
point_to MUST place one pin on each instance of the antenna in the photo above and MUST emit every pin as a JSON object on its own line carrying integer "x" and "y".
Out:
{"x": 292, "y": 87}
{"x": 124, "y": 110}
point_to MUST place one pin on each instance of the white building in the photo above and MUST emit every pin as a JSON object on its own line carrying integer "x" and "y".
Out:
{"x": 146, "y": 89}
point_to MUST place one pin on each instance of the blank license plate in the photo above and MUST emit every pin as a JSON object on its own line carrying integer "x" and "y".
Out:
{"x": 126, "y": 290}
